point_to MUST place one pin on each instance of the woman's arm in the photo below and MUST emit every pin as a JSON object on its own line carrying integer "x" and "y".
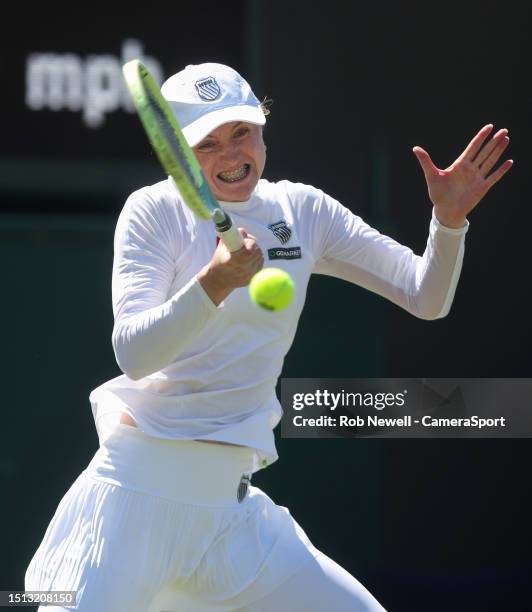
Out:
{"x": 425, "y": 285}
{"x": 152, "y": 327}
{"x": 422, "y": 285}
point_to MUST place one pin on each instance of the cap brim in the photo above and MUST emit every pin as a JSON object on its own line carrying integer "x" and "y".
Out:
{"x": 197, "y": 130}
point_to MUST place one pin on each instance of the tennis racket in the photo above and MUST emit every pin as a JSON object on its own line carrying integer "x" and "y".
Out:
{"x": 174, "y": 153}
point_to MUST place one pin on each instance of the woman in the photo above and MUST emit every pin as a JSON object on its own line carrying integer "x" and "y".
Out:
{"x": 164, "y": 518}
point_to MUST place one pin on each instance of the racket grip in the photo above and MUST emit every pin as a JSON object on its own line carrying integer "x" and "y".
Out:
{"x": 227, "y": 232}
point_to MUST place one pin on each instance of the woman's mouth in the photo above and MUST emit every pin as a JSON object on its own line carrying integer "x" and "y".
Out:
{"x": 233, "y": 176}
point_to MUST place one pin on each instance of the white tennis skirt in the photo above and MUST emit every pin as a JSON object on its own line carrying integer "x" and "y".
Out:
{"x": 154, "y": 524}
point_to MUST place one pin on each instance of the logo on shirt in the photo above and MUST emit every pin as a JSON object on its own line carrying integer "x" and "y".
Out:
{"x": 281, "y": 231}
{"x": 285, "y": 253}
{"x": 208, "y": 89}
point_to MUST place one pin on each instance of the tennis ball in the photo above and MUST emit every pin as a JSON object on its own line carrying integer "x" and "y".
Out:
{"x": 272, "y": 288}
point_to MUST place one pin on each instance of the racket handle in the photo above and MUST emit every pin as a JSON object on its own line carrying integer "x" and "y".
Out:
{"x": 228, "y": 233}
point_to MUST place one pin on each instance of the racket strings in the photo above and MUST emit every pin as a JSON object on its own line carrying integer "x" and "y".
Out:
{"x": 179, "y": 162}
{"x": 170, "y": 136}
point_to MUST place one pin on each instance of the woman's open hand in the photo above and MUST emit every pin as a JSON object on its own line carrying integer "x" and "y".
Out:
{"x": 456, "y": 190}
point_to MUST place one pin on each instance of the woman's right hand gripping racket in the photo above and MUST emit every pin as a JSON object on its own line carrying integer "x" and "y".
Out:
{"x": 174, "y": 153}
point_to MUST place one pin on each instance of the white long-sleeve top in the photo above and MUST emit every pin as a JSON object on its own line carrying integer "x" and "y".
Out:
{"x": 196, "y": 371}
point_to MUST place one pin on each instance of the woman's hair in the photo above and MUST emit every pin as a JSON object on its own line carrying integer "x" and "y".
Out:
{"x": 265, "y": 105}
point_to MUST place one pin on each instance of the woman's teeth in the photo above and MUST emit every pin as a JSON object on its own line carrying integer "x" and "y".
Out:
{"x": 234, "y": 175}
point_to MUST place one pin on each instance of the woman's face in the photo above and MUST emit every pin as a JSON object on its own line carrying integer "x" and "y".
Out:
{"x": 232, "y": 158}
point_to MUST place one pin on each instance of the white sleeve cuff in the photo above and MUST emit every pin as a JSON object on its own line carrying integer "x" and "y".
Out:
{"x": 197, "y": 288}
{"x": 448, "y": 230}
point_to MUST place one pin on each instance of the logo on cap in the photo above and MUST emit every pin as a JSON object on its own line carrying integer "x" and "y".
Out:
{"x": 208, "y": 89}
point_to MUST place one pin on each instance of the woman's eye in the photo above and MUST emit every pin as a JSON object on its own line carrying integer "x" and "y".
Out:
{"x": 241, "y": 132}
{"x": 206, "y": 146}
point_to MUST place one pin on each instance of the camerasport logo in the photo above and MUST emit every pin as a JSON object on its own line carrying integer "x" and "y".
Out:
{"x": 91, "y": 85}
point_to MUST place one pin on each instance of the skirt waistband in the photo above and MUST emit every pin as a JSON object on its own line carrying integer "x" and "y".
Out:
{"x": 187, "y": 471}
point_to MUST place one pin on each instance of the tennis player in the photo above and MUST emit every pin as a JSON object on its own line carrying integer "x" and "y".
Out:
{"x": 164, "y": 516}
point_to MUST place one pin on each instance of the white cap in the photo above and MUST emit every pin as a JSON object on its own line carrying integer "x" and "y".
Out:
{"x": 205, "y": 96}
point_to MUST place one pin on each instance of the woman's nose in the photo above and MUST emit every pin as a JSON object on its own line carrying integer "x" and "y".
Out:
{"x": 230, "y": 150}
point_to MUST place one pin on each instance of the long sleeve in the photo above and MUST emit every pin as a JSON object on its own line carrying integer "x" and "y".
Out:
{"x": 422, "y": 285}
{"x": 152, "y": 327}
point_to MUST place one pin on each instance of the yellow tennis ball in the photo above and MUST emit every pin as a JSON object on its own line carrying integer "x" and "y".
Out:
{"x": 272, "y": 288}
